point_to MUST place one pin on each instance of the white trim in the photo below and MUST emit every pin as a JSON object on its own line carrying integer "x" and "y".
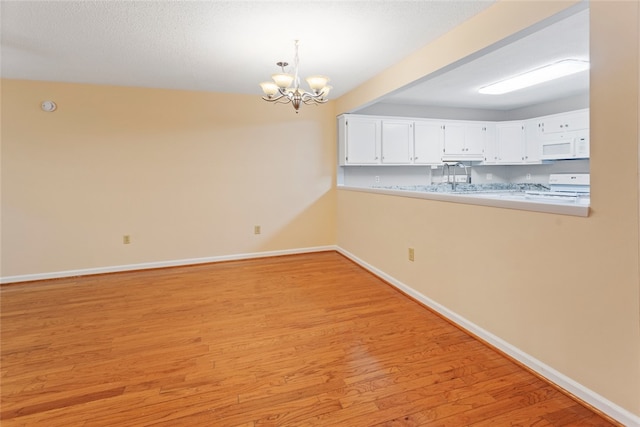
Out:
{"x": 578, "y": 390}
{"x": 161, "y": 264}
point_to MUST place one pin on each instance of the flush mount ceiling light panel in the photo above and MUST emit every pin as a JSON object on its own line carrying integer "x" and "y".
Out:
{"x": 539, "y": 75}
{"x": 281, "y": 91}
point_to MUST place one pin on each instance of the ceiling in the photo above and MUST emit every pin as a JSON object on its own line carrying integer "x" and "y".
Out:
{"x": 219, "y": 46}
{"x": 231, "y": 46}
{"x": 458, "y": 85}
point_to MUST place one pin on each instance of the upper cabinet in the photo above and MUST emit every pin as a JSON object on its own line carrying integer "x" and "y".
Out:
{"x": 360, "y": 139}
{"x": 375, "y": 140}
{"x": 428, "y": 142}
{"x": 397, "y": 141}
{"x": 464, "y": 140}
{"x": 558, "y": 124}
{"x": 512, "y": 144}
{"x": 369, "y": 140}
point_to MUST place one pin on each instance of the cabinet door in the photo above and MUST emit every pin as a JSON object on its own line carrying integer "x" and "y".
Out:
{"x": 565, "y": 122}
{"x": 397, "y": 142}
{"x": 363, "y": 141}
{"x": 532, "y": 140}
{"x": 427, "y": 145}
{"x": 510, "y": 142}
{"x": 454, "y": 139}
{"x": 475, "y": 139}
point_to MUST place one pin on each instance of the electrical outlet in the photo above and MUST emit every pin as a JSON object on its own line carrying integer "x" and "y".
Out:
{"x": 126, "y": 239}
{"x": 528, "y": 177}
{"x": 411, "y": 254}
{"x": 377, "y": 178}
{"x": 256, "y": 229}
{"x": 489, "y": 176}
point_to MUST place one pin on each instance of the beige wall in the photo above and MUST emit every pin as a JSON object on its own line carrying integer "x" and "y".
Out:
{"x": 189, "y": 174}
{"x": 563, "y": 289}
{"x": 186, "y": 174}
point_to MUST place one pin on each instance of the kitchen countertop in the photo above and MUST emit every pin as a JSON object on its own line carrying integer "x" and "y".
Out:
{"x": 463, "y": 188}
{"x": 502, "y": 195}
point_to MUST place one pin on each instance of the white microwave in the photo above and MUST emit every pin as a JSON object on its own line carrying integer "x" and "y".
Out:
{"x": 566, "y": 148}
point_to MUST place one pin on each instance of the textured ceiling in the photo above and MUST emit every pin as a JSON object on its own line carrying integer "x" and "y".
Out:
{"x": 220, "y": 46}
{"x": 567, "y": 38}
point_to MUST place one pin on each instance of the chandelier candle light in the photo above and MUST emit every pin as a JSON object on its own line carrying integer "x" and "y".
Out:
{"x": 280, "y": 90}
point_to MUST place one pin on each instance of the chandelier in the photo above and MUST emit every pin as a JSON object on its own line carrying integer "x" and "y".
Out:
{"x": 285, "y": 88}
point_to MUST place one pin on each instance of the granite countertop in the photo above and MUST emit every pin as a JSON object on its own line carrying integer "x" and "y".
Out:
{"x": 463, "y": 188}
{"x": 520, "y": 196}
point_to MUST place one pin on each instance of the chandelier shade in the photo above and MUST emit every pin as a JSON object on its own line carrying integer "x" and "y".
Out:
{"x": 317, "y": 83}
{"x": 283, "y": 81}
{"x": 269, "y": 88}
{"x": 285, "y": 87}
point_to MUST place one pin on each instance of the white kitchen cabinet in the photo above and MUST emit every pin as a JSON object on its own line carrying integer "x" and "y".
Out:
{"x": 510, "y": 143}
{"x": 378, "y": 140}
{"x": 397, "y": 142}
{"x": 359, "y": 140}
{"x": 428, "y": 142}
{"x": 514, "y": 143}
{"x": 563, "y": 123}
{"x": 464, "y": 140}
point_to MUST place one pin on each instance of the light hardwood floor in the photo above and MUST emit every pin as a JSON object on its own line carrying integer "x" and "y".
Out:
{"x": 303, "y": 340}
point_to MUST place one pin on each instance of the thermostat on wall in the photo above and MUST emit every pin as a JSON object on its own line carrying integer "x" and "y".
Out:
{"x": 48, "y": 106}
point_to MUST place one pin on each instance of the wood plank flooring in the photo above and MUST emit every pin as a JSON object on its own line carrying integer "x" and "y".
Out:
{"x": 302, "y": 340}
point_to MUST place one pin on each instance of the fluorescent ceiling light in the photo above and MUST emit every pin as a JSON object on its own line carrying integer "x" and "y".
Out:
{"x": 534, "y": 77}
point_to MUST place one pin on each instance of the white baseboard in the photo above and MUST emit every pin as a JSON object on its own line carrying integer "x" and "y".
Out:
{"x": 578, "y": 390}
{"x": 160, "y": 264}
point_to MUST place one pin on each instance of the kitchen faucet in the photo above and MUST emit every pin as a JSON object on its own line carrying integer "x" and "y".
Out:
{"x": 447, "y": 165}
